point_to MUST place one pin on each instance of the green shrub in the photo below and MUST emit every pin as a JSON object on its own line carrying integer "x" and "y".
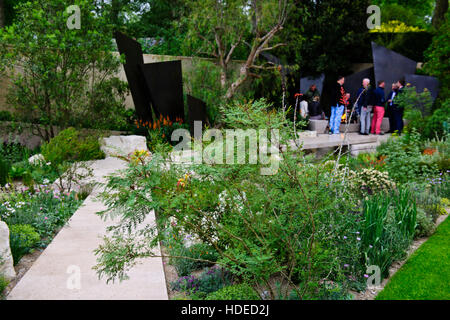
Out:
{"x": 214, "y": 279}
{"x": 46, "y": 211}
{"x": 4, "y": 172}
{"x": 404, "y": 159}
{"x": 70, "y": 145}
{"x": 425, "y": 224}
{"x": 6, "y": 115}
{"x": 434, "y": 126}
{"x": 22, "y": 239}
{"x": 367, "y": 181}
{"x": 197, "y": 251}
{"x": 18, "y": 170}
{"x": 241, "y": 291}
{"x": 14, "y": 152}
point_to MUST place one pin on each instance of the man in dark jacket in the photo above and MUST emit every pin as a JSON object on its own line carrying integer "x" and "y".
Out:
{"x": 390, "y": 106}
{"x": 337, "y": 107}
{"x": 397, "y": 110}
{"x": 378, "y": 108}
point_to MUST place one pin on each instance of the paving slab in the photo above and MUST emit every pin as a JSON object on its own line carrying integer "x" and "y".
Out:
{"x": 64, "y": 270}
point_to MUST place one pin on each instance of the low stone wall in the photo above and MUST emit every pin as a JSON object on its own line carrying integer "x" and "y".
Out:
{"x": 24, "y": 134}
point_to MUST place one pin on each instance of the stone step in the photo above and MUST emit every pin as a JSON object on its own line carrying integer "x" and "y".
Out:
{"x": 364, "y": 146}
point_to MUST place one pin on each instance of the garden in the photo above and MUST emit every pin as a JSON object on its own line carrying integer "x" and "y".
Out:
{"x": 311, "y": 228}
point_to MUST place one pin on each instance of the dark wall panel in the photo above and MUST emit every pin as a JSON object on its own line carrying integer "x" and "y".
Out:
{"x": 136, "y": 81}
{"x": 306, "y": 82}
{"x": 165, "y": 82}
{"x": 197, "y": 112}
{"x": 391, "y": 66}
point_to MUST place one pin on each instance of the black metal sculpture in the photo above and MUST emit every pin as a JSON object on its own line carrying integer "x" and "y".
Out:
{"x": 165, "y": 82}
{"x": 197, "y": 112}
{"x": 136, "y": 81}
{"x": 307, "y": 82}
{"x": 391, "y": 66}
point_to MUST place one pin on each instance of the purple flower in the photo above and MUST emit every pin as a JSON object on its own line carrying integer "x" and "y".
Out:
{"x": 345, "y": 237}
{"x": 370, "y": 246}
{"x": 359, "y": 239}
{"x": 346, "y": 265}
{"x": 366, "y": 275}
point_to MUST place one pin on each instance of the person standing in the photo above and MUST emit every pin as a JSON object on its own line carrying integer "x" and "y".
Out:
{"x": 397, "y": 110}
{"x": 378, "y": 108}
{"x": 390, "y": 107}
{"x": 365, "y": 104}
{"x": 337, "y": 107}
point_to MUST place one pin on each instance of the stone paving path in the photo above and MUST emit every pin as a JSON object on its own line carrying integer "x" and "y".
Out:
{"x": 64, "y": 270}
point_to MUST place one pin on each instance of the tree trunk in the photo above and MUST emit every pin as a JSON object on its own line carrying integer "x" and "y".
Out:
{"x": 2, "y": 13}
{"x": 439, "y": 13}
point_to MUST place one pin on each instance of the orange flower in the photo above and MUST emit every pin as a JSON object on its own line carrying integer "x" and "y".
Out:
{"x": 429, "y": 152}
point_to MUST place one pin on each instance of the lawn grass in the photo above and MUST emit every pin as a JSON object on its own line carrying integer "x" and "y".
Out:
{"x": 426, "y": 274}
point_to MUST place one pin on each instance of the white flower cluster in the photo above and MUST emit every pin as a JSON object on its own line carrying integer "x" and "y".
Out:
{"x": 7, "y": 209}
{"x": 370, "y": 180}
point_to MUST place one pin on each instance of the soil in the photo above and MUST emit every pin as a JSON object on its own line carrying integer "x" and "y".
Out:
{"x": 170, "y": 272}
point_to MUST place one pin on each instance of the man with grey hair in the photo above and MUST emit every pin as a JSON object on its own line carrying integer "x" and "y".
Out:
{"x": 365, "y": 106}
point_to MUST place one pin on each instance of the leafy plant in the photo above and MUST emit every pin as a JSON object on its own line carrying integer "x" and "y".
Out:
{"x": 404, "y": 159}
{"x": 70, "y": 145}
{"x": 45, "y": 210}
{"x": 185, "y": 266}
{"x": 425, "y": 224}
{"x": 22, "y": 239}
{"x": 241, "y": 291}
{"x": 389, "y": 226}
{"x": 214, "y": 279}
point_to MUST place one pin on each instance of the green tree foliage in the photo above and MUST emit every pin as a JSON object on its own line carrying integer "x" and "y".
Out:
{"x": 217, "y": 29}
{"x": 325, "y": 35}
{"x": 439, "y": 13}
{"x": 411, "y": 12}
{"x": 67, "y": 76}
{"x": 7, "y": 12}
{"x": 438, "y": 58}
{"x": 162, "y": 23}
